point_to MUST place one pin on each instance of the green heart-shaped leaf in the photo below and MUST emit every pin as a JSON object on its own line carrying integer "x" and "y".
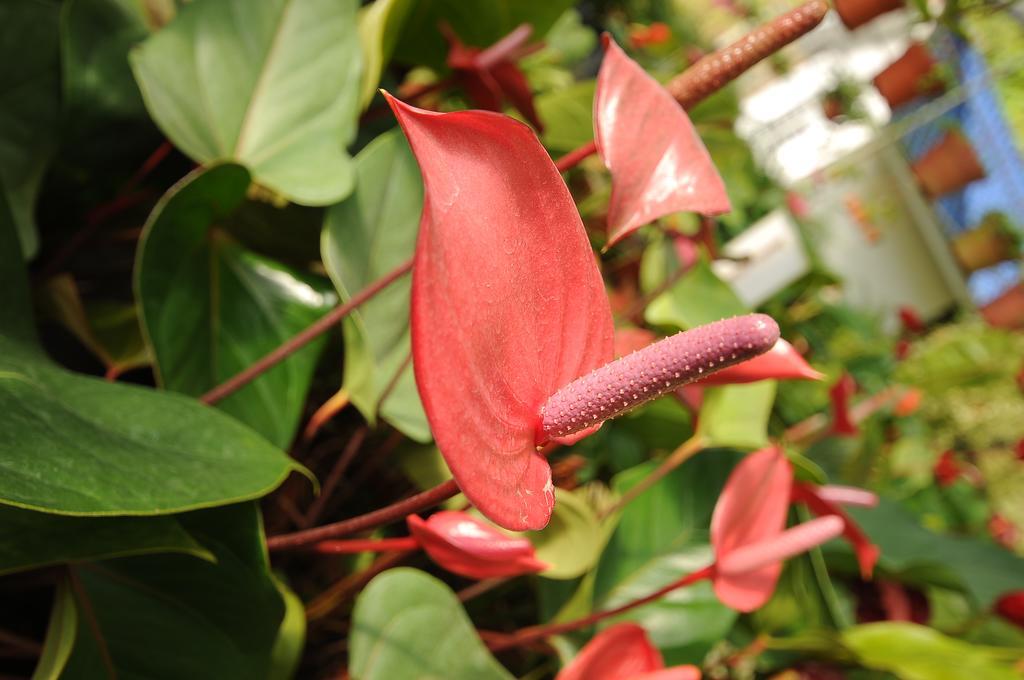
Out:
{"x": 407, "y": 624}
{"x": 210, "y": 308}
{"x": 73, "y": 444}
{"x": 272, "y": 84}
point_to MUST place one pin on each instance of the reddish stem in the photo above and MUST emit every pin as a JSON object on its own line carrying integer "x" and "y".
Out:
{"x": 297, "y": 342}
{"x": 358, "y": 545}
{"x": 574, "y": 157}
{"x": 389, "y": 513}
{"x": 534, "y": 633}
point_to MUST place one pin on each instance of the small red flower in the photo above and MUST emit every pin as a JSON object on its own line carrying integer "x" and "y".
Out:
{"x": 748, "y": 530}
{"x": 797, "y": 205}
{"x": 912, "y": 323}
{"x": 657, "y": 33}
{"x": 658, "y": 163}
{"x": 623, "y": 652}
{"x": 1011, "y": 607}
{"x": 947, "y": 468}
{"x": 1002, "y": 531}
{"x": 902, "y": 349}
{"x": 490, "y": 77}
{"x": 1020, "y": 449}
{"x": 466, "y": 546}
{"x": 908, "y": 403}
{"x": 839, "y": 394}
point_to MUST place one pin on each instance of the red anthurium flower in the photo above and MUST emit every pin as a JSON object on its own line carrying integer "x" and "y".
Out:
{"x": 509, "y": 310}
{"x": 826, "y": 500}
{"x": 623, "y": 652}
{"x": 908, "y": 403}
{"x": 781, "y": 362}
{"x": 902, "y": 349}
{"x": 748, "y": 530}
{"x": 657, "y": 33}
{"x": 1002, "y": 531}
{"x": 658, "y": 163}
{"x": 491, "y": 76}
{"x": 1011, "y": 607}
{"x": 947, "y": 468}
{"x": 466, "y": 546}
{"x": 840, "y": 394}
{"x": 912, "y": 323}
{"x": 797, "y": 205}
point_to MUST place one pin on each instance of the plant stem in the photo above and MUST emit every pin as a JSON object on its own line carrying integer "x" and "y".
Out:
{"x": 359, "y": 545}
{"x": 721, "y": 67}
{"x": 300, "y": 340}
{"x": 334, "y": 477}
{"x": 683, "y": 453}
{"x": 813, "y": 427}
{"x": 332, "y": 598}
{"x": 533, "y": 633}
{"x": 388, "y": 513}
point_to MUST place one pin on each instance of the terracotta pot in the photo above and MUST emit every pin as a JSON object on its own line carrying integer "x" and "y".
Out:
{"x": 1007, "y": 310}
{"x": 832, "y": 107}
{"x": 949, "y": 165}
{"x": 909, "y": 77}
{"x": 989, "y": 243}
{"x": 856, "y": 13}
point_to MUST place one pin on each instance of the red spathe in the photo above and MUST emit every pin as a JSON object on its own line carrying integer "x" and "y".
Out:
{"x": 508, "y": 304}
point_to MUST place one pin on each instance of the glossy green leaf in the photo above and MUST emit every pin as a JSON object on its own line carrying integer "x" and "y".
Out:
{"x": 291, "y": 636}
{"x": 914, "y": 652}
{"x": 408, "y": 624}
{"x": 379, "y": 25}
{"x": 366, "y": 236}
{"x": 737, "y": 415}
{"x": 273, "y": 85}
{"x": 918, "y": 555}
{"x": 699, "y": 297}
{"x": 73, "y": 444}
{"x": 29, "y": 107}
{"x": 60, "y": 635}
{"x": 571, "y": 542}
{"x": 173, "y": 616}
{"x": 29, "y": 540}
{"x": 663, "y": 535}
{"x": 110, "y": 330}
{"x": 683, "y": 624}
{"x": 568, "y": 116}
{"x": 210, "y": 308}
{"x": 477, "y": 23}
{"x": 96, "y": 36}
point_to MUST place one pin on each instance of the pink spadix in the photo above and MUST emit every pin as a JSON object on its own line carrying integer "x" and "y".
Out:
{"x": 654, "y": 370}
{"x": 788, "y": 544}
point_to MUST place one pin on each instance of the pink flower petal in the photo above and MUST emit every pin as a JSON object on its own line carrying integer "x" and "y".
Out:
{"x": 618, "y": 652}
{"x": 782, "y": 362}
{"x": 658, "y": 163}
{"x": 751, "y": 509}
{"x": 464, "y": 545}
{"x": 507, "y": 303}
